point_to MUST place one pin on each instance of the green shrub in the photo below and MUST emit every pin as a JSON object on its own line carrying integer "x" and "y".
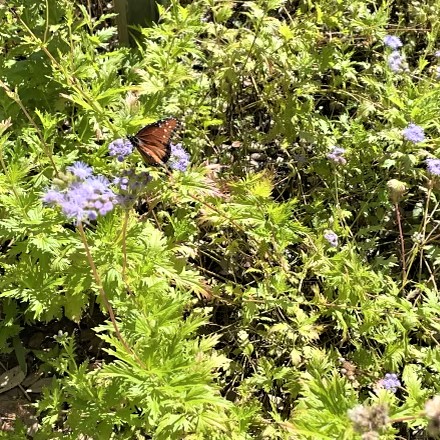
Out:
{"x": 267, "y": 290}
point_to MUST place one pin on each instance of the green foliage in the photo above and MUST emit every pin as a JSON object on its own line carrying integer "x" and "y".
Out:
{"x": 234, "y": 316}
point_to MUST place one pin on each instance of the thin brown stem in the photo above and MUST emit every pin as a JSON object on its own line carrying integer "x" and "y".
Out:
{"x": 407, "y": 418}
{"x": 104, "y": 296}
{"x": 402, "y": 242}
{"x": 418, "y": 246}
{"x": 46, "y": 29}
{"x": 425, "y": 221}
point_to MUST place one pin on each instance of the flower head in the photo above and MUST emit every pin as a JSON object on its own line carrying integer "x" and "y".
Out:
{"x": 120, "y": 148}
{"x": 130, "y": 185}
{"x": 392, "y": 42}
{"x": 432, "y": 411}
{"x": 332, "y": 238}
{"x": 80, "y": 170}
{"x": 52, "y": 197}
{"x": 390, "y": 382}
{"x": 179, "y": 159}
{"x": 336, "y": 155}
{"x": 81, "y": 196}
{"x": 433, "y": 166}
{"x": 369, "y": 418}
{"x": 437, "y": 53}
{"x": 5, "y": 124}
{"x": 396, "y": 189}
{"x": 414, "y": 133}
{"x": 396, "y": 62}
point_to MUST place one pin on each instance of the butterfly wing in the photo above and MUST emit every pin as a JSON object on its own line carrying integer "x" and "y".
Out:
{"x": 153, "y": 141}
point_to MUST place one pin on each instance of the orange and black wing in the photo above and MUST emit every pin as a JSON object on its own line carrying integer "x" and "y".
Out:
{"x": 153, "y": 141}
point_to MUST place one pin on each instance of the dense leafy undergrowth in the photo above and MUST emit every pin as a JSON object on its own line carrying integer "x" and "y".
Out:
{"x": 265, "y": 291}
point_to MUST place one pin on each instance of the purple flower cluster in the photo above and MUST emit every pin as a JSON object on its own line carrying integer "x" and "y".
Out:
{"x": 414, "y": 133}
{"x": 390, "y": 382}
{"x": 120, "y": 148}
{"x": 81, "y": 195}
{"x": 332, "y": 238}
{"x": 80, "y": 170}
{"x": 336, "y": 155}
{"x": 179, "y": 158}
{"x": 131, "y": 185}
{"x": 392, "y": 42}
{"x": 433, "y": 166}
{"x": 396, "y": 61}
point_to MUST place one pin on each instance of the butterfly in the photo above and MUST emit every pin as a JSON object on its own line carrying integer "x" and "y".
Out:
{"x": 153, "y": 141}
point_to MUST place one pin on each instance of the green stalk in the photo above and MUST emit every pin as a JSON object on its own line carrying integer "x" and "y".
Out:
{"x": 104, "y": 296}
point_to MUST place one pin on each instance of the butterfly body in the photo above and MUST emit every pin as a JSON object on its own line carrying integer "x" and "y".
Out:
{"x": 153, "y": 141}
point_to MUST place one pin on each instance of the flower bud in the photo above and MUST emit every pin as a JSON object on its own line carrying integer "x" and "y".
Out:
{"x": 432, "y": 411}
{"x": 4, "y": 125}
{"x": 396, "y": 190}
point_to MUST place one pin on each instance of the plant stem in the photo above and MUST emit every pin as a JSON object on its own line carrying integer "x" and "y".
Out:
{"x": 407, "y": 418}
{"x": 425, "y": 221}
{"x": 402, "y": 242}
{"x": 124, "y": 246}
{"x": 103, "y": 294}
{"x": 46, "y": 29}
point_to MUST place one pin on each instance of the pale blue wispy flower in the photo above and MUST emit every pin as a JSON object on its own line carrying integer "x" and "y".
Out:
{"x": 433, "y": 166}
{"x": 120, "y": 148}
{"x": 179, "y": 158}
{"x": 390, "y": 382}
{"x": 131, "y": 185}
{"x": 414, "y": 133}
{"x": 332, "y": 238}
{"x": 80, "y": 169}
{"x": 392, "y": 42}
{"x": 336, "y": 155}
{"x": 52, "y": 196}
{"x": 396, "y": 62}
{"x": 81, "y": 196}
